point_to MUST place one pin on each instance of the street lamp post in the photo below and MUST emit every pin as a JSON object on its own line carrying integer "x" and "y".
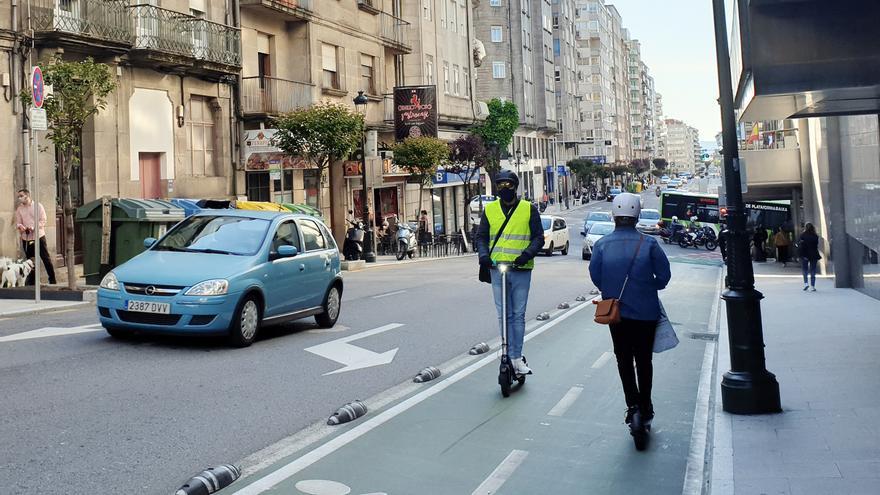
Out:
{"x": 360, "y": 103}
{"x": 747, "y": 388}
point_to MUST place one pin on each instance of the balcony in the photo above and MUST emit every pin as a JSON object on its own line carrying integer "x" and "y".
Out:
{"x": 371, "y": 6}
{"x": 81, "y": 21}
{"x": 185, "y": 42}
{"x": 296, "y": 9}
{"x": 773, "y": 159}
{"x": 262, "y": 96}
{"x": 393, "y": 32}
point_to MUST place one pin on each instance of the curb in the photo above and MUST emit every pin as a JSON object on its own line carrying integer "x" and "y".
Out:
{"x": 371, "y": 266}
{"x": 36, "y": 311}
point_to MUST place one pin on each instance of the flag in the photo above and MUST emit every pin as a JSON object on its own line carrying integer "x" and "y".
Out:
{"x": 755, "y": 135}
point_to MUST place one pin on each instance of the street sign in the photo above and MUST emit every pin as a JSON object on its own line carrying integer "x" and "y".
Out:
{"x": 38, "y": 119}
{"x": 37, "y": 86}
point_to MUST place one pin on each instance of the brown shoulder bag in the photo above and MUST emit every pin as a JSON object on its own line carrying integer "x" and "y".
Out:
{"x": 608, "y": 310}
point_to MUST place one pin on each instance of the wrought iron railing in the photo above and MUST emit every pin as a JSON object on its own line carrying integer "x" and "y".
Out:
{"x": 106, "y": 20}
{"x": 393, "y": 30}
{"x": 290, "y": 4}
{"x": 270, "y": 95}
{"x": 171, "y": 32}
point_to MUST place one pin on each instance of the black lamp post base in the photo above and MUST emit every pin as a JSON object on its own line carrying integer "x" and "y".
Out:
{"x": 369, "y": 253}
{"x": 750, "y": 393}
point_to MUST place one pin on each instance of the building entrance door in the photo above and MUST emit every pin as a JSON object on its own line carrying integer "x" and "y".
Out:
{"x": 151, "y": 175}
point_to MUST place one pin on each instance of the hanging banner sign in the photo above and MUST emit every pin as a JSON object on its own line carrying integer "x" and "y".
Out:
{"x": 415, "y": 111}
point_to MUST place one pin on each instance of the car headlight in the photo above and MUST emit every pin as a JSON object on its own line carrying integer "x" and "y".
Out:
{"x": 110, "y": 282}
{"x": 216, "y": 287}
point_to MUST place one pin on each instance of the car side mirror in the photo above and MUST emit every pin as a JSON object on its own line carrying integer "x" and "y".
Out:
{"x": 149, "y": 242}
{"x": 583, "y": 234}
{"x": 287, "y": 251}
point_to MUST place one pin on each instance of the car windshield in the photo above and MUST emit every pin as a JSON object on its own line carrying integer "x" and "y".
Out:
{"x": 598, "y": 216}
{"x": 546, "y": 222}
{"x": 601, "y": 229}
{"x": 216, "y": 235}
{"x": 649, "y": 215}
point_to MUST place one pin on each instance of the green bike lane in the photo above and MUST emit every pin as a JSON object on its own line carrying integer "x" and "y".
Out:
{"x": 562, "y": 432}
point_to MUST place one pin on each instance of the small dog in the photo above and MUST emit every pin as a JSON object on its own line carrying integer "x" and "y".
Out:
{"x": 7, "y": 275}
{"x": 16, "y": 273}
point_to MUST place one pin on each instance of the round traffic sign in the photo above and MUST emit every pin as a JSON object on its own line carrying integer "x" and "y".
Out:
{"x": 37, "y": 87}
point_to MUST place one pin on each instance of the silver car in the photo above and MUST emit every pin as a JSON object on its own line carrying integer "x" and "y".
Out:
{"x": 649, "y": 222}
{"x": 593, "y": 217}
{"x": 596, "y": 232}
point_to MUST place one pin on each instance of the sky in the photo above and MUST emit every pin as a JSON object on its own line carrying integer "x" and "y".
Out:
{"x": 678, "y": 45}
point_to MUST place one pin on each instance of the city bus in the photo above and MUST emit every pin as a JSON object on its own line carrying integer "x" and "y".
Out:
{"x": 684, "y": 205}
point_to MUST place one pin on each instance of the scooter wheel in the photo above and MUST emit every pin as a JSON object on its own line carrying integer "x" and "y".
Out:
{"x": 505, "y": 380}
{"x": 683, "y": 242}
{"x": 521, "y": 379}
{"x": 640, "y": 438}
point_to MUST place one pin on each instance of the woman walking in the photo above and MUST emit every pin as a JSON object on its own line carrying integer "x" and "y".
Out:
{"x": 808, "y": 250}
{"x": 782, "y": 242}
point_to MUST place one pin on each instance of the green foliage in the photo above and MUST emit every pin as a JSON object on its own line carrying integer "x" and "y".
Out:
{"x": 322, "y": 134}
{"x": 657, "y": 173}
{"x": 660, "y": 163}
{"x": 583, "y": 169}
{"x": 497, "y": 131}
{"x": 79, "y": 90}
{"x": 421, "y": 156}
{"x": 640, "y": 165}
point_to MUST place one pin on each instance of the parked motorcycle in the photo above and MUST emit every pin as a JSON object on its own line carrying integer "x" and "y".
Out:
{"x": 406, "y": 240}
{"x": 353, "y": 246}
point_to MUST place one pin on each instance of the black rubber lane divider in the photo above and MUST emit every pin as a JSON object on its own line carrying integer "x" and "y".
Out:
{"x": 480, "y": 348}
{"x": 563, "y": 305}
{"x": 348, "y": 412}
{"x": 427, "y": 374}
{"x": 210, "y": 480}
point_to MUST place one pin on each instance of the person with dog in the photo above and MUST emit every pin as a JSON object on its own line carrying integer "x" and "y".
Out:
{"x": 27, "y": 226}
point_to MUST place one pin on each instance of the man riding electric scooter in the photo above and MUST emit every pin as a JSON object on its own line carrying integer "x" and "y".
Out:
{"x": 510, "y": 233}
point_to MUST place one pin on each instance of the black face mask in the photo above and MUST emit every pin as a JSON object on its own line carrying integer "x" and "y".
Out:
{"x": 507, "y": 195}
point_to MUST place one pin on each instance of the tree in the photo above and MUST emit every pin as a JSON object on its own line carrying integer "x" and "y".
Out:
{"x": 322, "y": 134}
{"x": 467, "y": 155}
{"x": 640, "y": 165}
{"x": 79, "y": 91}
{"x": 660, "y": 163}
{"x": 584, "y": 169}
{"x": 497, "y": 131}
{"x": 657, "y": 173}
{"x": 421, "y": 156}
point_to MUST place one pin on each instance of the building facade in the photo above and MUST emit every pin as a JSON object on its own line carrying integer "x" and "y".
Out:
{"x": 565, "y": 54}
{"x": 167, "y": 129}
{"x": 682, "y": 146}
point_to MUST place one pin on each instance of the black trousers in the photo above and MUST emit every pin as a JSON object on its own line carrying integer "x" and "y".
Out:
{"x": 28, "y": 248}
{"x": 634, "y": 342}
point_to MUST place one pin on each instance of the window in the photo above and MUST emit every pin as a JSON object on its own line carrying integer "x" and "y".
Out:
{"x": 201, "y": 121}
{"x": 456, "y": 81}
{"x": 446, "y": 86}
{"x": 286, "y": 235}
{"x": 498, "y": 70}
{"x": 330, "y": 74}
{"x": 429, "y": 69}
{"x": 496, "y": 35}
{"x": 367, "y": 74}
{"x": 427, "y": 10}
{"x": 495, "y": 3}
{"x": 558, "y": 76}
{"x": 453, "y": 16}
{"x": 467, "y": 82}
{"x": 556, "y": 48}
{"x": 312, "y": 236}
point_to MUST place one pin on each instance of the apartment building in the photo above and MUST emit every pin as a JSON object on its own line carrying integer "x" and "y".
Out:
{"x": 659, "y": 127}
{"x": 520, "y": 67}
{"x": 682, "y": 146}
{"x": 642, "y": 101}
{"x": 166, "y": 130}
{"x": 565, "y": 55}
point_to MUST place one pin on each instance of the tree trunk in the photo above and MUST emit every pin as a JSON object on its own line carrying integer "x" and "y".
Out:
{"x": 69, "y": 233}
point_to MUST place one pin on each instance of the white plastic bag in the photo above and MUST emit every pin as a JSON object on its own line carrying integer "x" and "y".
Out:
{"x": 664, "y": 334}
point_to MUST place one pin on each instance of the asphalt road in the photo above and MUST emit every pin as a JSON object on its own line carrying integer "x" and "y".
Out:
{"x": 86, "y": 414}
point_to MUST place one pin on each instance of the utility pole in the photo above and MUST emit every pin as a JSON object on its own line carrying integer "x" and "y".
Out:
{"x": 747, "y": 388}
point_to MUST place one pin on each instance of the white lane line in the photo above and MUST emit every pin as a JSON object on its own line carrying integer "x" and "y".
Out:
{"x": 292, "y": 468}
{"x": 604, "y": 358}
{"x": 50, "y": 332}
{"x": 502, "y": 473}
{"x": 380, "y": 296}
{"x": 566, "y": 401}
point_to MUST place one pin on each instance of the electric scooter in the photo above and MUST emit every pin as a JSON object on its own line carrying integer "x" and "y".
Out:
{"x": 506, "y": 373}
{"x": 639, "y": 430}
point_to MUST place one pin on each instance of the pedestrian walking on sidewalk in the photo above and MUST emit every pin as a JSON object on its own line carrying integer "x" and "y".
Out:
{"x": 27, "y": 226}
{"x": 626, "y": 256}
{"x": 782, "y": 242}
{"x": 808, "y": 251}
{"x": 759, "y": 238}
{"x": 511, "y": 232}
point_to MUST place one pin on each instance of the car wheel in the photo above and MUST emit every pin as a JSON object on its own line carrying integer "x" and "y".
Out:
{"x": 565, "y": 249}
{"x": 549, "y": 252}
{"x": 245, "y": 322}
{"x": 332, "y": 305}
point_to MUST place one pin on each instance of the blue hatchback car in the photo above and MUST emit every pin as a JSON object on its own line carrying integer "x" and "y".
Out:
{"x": 226, "y": 272}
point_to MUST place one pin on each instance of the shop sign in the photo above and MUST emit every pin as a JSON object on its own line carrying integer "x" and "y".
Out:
{"x": 352, "y": 168}
{"x": 261, "y": 155}
{"x": 415, "y": 111}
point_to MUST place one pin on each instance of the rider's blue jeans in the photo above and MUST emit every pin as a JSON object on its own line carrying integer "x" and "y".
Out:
{"x": 518, "y": 283}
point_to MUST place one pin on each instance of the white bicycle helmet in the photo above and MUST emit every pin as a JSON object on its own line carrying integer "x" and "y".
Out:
{"x": 626, "y": 205}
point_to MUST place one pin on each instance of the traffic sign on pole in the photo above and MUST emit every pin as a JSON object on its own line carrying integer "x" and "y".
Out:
{"x": 37, "y": 86}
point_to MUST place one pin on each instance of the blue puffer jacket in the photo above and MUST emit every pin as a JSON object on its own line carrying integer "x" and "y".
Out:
{"x": 650, "y": 272}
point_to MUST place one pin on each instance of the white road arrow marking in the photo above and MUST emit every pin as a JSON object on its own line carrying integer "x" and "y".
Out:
{"x": 50, "y": 332}
{"x": 352, "y": 356}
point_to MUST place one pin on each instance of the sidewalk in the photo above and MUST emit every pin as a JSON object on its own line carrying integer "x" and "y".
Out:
{"x": 823, "y": 348}
{"x": 22, "y": 307}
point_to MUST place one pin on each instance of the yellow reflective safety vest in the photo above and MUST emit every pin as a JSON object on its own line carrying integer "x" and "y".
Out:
{"x": 517, "y": 234}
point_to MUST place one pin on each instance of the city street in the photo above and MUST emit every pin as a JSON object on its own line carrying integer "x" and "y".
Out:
{"x": 84, "y": 412}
